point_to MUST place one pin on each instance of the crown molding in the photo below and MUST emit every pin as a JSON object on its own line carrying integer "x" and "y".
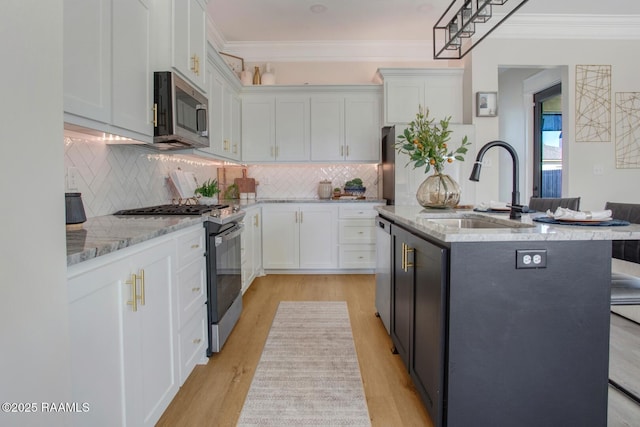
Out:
{"x": 529, "y": 26}
{"x": 572, "y": 27}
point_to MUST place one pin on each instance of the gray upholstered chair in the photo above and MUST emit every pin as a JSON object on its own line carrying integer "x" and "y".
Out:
{"x": 625, "y": 289}
{"x": 542, "y": 204}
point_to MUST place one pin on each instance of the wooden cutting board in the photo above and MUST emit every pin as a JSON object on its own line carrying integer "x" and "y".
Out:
{"x": 245, "y": 185}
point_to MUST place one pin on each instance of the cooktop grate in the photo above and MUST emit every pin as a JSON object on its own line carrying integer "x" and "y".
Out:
{"x": 171, "y": 209}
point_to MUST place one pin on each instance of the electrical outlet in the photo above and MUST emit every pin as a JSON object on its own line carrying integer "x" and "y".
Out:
{"x": 531, "y": 258}
{"x": 598, "y": 169}
{"x": 72, "y": 178}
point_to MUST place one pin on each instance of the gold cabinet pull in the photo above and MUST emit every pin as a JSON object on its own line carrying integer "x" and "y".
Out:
{"x": 195, "y": 246}
{"x": 141, "y": 296}
{"x": 193, "y": 63}
{"x": 256, "y": 221}
{"x": 347, "y": 147}
{"x": 197, "y": 340}
{"x": 133, "y": 302}
{"x": 341, "y": 150}
{"x": 300, "y": 217}
{"x": 195, "y": 289}
{"x": 407, "y": 264}
{"x": 155, "y": 115}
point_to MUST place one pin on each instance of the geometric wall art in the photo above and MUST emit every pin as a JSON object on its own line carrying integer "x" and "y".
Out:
{"x": 627, "y": 130}
{"x": 593, "y": 103}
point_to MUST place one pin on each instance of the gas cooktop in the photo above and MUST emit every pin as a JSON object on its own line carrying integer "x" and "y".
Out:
{"x": 172, "y": 209}
{"x": 220, "y": 213}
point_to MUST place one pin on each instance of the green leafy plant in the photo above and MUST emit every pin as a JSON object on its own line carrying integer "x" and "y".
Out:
{"x": 354, "y": 183}
{"x": 425, "y": 142}
{"x": 209, "y": 188}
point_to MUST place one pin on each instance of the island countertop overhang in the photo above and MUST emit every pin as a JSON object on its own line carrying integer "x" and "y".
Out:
{"x": 418, "y": 218}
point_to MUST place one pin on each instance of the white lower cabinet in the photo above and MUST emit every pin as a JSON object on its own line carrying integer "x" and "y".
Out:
{"x": 137, "y": 327}
{"x": 357, "y": 236}
{"x": 251, "y": 247}
{"x": 300, "y": 236}
{"x": 192, "y": 296}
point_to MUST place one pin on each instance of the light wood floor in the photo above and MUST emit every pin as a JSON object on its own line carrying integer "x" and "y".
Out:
{"x": 214, "y": 393}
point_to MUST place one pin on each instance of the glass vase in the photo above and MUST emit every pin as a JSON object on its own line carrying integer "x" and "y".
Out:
{"x": 438, "y": 191}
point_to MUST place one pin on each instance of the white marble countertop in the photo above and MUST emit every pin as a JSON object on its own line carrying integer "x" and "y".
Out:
{"x": 105, "y": 234}
{"x": 109, "y": 233}
{"x": 417, "y": 218}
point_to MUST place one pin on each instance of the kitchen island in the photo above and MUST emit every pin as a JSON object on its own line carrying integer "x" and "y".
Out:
{"x": 506, "y": 325}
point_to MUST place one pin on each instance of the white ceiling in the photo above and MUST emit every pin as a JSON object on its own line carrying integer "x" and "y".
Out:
{"x": 365, "y": 20}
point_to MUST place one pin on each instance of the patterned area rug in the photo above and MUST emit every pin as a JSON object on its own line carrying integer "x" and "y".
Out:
{"x": 308, "y": 374}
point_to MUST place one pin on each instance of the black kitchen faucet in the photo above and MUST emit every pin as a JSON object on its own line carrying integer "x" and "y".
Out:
{"x": 516, "y": 208}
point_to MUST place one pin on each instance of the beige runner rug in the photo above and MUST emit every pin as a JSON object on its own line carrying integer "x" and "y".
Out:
{"x": 308, "y": 374}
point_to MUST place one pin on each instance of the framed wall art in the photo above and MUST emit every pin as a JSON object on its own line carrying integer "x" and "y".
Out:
{"x": 486, "y": 104}
{"x": 234, "y": 62}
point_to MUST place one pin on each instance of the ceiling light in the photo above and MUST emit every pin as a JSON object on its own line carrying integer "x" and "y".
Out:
{"x": 318, "y": 8}
{"x": 459, "y": 22}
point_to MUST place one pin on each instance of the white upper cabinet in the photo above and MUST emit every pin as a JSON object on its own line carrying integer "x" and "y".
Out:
{"x": 345, "y": 127}
{"x": 320, "y": 123}
{"x": 362, "y": 128}
{"x": 258, "y": 128}
{"x": 275, "y": 128}
{"x": 87, "y": 59}
{"x": 107, "y": 75}
{"x": 224, "y": 116}
{"x": 179, "y": 34}
{"x": 132, "y": 76}
{"x": 439, "y": 90}
{"x": 292, "y": 128}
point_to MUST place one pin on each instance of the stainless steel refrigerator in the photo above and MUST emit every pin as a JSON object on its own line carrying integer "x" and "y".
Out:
{"x": 388, "y": 164}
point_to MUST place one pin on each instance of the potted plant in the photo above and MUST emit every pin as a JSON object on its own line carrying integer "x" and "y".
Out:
{"x": 425, "y": 141}
{"x": 354, "y": 187}
{"x": 208, "y": 192}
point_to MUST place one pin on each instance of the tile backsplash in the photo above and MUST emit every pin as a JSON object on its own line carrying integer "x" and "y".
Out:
{"x": 114, "y": 177}
{"x": 301, "y": 180}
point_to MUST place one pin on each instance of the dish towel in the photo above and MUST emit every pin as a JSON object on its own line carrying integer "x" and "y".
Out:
{"x": 568, "y": 214}
{"x": 492, "y": 206}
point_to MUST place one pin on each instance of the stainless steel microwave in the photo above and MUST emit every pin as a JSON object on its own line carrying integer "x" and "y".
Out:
{"x": 180, "y": 113}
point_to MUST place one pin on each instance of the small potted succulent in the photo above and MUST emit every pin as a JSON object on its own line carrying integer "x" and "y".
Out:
{"x": 208, "y": 192}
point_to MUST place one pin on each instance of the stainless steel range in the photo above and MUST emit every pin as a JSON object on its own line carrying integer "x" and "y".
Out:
{"x": 224, "y": 279}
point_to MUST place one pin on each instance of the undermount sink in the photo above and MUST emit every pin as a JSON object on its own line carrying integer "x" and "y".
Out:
{"x": 474, "y": 221}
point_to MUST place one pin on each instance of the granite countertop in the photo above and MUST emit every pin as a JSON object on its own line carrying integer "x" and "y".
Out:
{"x": 109, "y": 233}
{"x": 105, "y": 234}
{"x": 417, "y": 218}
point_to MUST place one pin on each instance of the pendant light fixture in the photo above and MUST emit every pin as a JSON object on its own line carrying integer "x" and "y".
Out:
{"x": 466, "y": 23}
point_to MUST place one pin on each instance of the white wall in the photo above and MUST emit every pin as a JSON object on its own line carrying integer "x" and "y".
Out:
{"x": 615, "y": 184}
{"x": 34, "y": 360}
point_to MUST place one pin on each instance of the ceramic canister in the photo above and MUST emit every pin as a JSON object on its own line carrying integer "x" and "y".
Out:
{"x": 325, "y": 189}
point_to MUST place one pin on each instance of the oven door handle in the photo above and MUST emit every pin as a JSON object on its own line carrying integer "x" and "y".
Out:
{"x": 231, "y": 234}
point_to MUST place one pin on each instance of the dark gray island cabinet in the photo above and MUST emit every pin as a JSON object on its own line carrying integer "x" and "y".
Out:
{"x": 493, "y": 338}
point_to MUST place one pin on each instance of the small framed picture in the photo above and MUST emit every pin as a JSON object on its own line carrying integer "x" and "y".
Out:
{"x": 234, "y": 62}
{"x": 486, "y": 104}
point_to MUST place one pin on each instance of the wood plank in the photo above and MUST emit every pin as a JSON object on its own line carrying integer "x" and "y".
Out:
{"x": 214, "y": 393}
{"x": 623, "y": 412}
{"x": 624, "y": 354}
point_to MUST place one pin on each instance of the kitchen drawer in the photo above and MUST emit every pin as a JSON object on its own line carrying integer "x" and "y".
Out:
{"x": 193, "y": 340}
{"x": 357, "y": 256}
{"x": 357, "y": 231}
{"x": 191, "y": 246}
{"x": 192, "y": 289}
{"x": 364, "y": 211}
